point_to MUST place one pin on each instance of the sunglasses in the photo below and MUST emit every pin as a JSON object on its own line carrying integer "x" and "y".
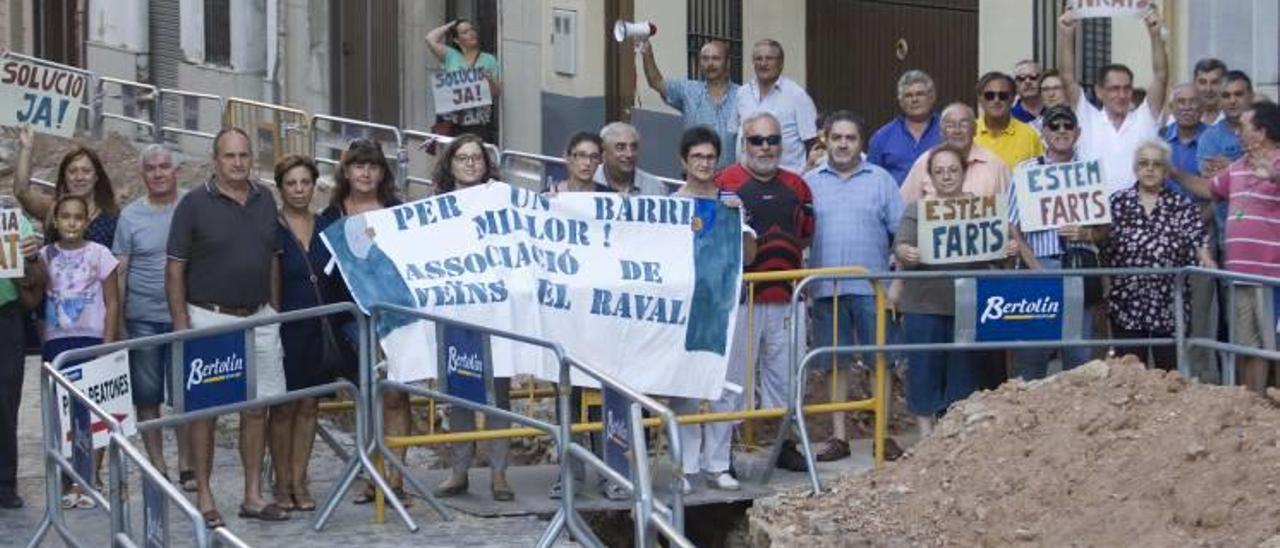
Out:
{"x": 993, "y": 95}
{"x": 1061, "y": 126}
{"x": 762, "y": 140}
{"x": 1027, "y": 77}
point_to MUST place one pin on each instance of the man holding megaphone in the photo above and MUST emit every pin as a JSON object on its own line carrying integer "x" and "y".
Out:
{"x": 711, "y": 102}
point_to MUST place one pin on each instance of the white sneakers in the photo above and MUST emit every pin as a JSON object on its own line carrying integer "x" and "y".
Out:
{"x": 724, "y": 482}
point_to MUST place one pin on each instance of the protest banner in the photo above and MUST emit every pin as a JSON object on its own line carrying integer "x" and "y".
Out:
{"x": 460, "y": 90}
{"x": 1056, "y": 195}
{"x": 11, "y": 262}
{"x": 645, "y": 288}
{"x": 962, "y": 229}
{"x": 46, "y": 97}
{"x": 106, "y": 381}
{"x": 1109, "y": 8}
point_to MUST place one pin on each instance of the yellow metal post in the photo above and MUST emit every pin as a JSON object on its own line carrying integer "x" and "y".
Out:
{"x": 881, "y": 389}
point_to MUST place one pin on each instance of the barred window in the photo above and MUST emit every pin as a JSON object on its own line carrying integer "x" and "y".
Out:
{"x": 715, "y": 20}
{"x": 1095, "y": 49}
{"x": 217, "y": 32}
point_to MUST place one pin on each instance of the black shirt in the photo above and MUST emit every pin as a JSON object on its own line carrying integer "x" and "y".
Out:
{"x": 227, "y": 247}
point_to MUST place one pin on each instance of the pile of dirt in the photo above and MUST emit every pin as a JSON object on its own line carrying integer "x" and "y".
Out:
{"x": 1108, "y": 454}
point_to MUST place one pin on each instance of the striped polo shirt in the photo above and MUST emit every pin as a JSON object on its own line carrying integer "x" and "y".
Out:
{"x": 1253, "y": 217}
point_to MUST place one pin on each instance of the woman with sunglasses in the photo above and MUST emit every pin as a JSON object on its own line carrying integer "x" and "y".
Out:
{"x": 465, "y": 164}
{"x": 1152, "y": 226}
{"x": 456, "y": 45}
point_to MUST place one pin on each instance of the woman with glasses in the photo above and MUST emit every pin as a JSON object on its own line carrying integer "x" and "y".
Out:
{"x": 1152, "y": 226}
{"x": 935, "y": 378}
{"x": 364, "y": 182}
{"x": 465, "y": 164}
{"x": 581, "y": 158}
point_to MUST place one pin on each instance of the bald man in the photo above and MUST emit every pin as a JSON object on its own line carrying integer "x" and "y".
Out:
{"x": 987, "y": 174}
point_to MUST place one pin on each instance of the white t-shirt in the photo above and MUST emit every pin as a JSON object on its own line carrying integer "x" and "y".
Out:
{"x": 1114, "y": 147}
{"x": 795, "y": 111}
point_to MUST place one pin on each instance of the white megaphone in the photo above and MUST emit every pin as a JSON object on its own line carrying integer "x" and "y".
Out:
{"x": 639, "y": 30}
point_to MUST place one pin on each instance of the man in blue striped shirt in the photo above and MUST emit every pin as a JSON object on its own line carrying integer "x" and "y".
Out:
{"x": 1048, "y": 249}
{"x": 857, "y": 207}
{"x": 711, "y": 102}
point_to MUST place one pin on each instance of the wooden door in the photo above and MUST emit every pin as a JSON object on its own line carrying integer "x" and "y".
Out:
{"x": 366, "y": 58}
{"x": 857, "y": 49}
{"x": 619, "y": 64}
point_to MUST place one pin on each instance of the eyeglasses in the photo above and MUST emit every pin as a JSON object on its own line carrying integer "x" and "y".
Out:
{"x": 592, "y": 156}
{"x": 1061, "y": 126}
{"x": 468, "y": 158}
{"x": 1152, "y": 164}
{"x": 703, "y": 158}
{"x": 762, "y": 140}
{"x": 1027, "y": 77}
{"x": 993, "y": 95}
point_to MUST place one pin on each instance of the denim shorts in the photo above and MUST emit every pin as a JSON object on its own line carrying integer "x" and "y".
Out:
{"x": 149, "y": 367}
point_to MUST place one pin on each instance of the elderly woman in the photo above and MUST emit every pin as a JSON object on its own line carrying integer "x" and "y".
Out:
{"x": 935, "y": 378}
{"x": 1152, "y": 226}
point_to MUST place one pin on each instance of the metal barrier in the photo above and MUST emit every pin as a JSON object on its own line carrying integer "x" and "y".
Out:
{"x": 274, "y": 131}
{"x": 136, "y": 102}
{"x": 324, "y": 144}
{"x": 88, "y": 102}
{"x": 54, "y": 461}
{"x": 417, "y": 164}
{"x": 186, "y": 109}
{"x": 667, "y": 519}
{"x": 1230, "y": 349}
{"x": 530, "y": 171}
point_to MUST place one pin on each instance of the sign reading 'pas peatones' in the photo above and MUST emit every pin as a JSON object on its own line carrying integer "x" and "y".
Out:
{"x": 46, "y": 97}
{"x": 645, "y": 288}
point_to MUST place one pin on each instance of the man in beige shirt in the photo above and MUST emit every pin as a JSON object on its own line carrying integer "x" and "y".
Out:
{"x": 987, "y": 174}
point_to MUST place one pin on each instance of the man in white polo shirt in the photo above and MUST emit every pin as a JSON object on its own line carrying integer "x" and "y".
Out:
{"x": 782, "y": 97}
{"x": 1112, "y": 133}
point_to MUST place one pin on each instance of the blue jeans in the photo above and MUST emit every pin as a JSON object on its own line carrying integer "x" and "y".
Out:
{"x": 148, "y": 367}
{"x": 935, "y": 378}
{"x": 853, "y": 321}
{"x": 1033, "y": 363}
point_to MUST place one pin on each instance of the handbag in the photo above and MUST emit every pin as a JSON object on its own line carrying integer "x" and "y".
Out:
{"x": 336, "y": 358}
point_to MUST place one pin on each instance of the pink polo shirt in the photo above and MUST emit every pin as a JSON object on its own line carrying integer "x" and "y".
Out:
{"x": 1253, "y": 217}
{"x": 987, "y": 175}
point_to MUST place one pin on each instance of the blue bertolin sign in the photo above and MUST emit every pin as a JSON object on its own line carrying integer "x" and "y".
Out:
{"x": 216, "y": 370}
{"x": 1017, "y": 309}
{"x": 617, "y": 431}
{"x": 463, "y": 355}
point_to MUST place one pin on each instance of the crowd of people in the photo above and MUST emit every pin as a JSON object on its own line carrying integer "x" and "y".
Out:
{"x": 1192, "y": 180}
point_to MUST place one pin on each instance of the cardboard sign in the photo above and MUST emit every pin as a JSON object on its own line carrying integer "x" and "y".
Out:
{"x": 460, "y": 90}
{"x": 106, "y": 381}
{"x": 11, "y": 262}
{"x": 1057, "y": 195}
{"x": 155, "y": 513}
{"x": 465, "y": 356}
{"x": 216, "y": 370}
{"x": 617, "y": 431}
{"x": 962, "y": 229}
{"x": 1109, "y": 8}
{"x": 46, "y": 97}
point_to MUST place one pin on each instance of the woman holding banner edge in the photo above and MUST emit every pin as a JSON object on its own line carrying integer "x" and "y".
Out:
{"x": 465, "y": 53}
{"x": 935, "y": 378}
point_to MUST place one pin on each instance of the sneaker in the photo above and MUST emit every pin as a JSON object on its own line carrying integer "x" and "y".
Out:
{"x": 10, "y": 500}
{"x": 613, "y": 491}
{"x": 834, "y": 449}
{"x": 723, "y": 481}
{"x": 790, "y": 458}
{"x": 686, "y": 486}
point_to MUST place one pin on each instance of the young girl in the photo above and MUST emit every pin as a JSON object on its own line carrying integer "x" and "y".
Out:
{"x": 81, "y": 296}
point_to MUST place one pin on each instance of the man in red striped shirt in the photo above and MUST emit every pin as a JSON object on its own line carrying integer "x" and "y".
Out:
{"x": 779, "y": 208}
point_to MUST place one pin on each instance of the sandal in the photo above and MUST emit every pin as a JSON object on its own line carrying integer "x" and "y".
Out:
{"x": 270, "y": 512}
{"x": 406, "y": 499}
{"x": 366, "y": 496}
{"x": 212, "y": 519}
{"x": 892, "y": 451}
{"x": 302, "y": 500}
{"x": 283, "y": 498}
{"x": 834, "y": 449}
{"x": 451, "y": 489}
{"x": 188, "y": 480}
{"x": 503, "y": 494}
